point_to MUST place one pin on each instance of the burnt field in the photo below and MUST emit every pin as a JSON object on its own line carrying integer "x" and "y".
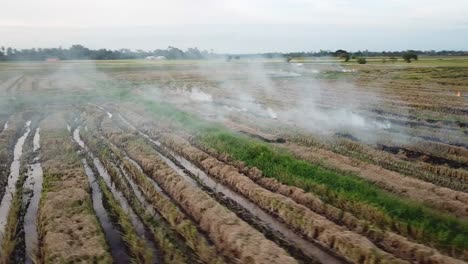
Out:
{"x": 257, "y": 161}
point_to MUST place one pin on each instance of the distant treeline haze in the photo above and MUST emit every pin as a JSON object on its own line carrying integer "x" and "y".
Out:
{"x": 79, "y": 52}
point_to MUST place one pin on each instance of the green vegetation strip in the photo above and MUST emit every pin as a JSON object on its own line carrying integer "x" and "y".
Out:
{"x": 420, "y": 221}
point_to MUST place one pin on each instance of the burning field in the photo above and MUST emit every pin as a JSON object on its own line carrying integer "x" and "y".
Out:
{"x": 233, "y": 162}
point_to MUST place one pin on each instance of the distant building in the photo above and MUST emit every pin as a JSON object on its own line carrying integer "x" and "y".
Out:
{"x": 52, "y": 59}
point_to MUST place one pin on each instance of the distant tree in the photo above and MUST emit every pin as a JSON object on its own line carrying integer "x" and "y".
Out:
{"x": 393, "y": 59}
{"x": 342, "y": 54}
{"x": 288, "y": 59}
{"x": 174, "y": 53}
{"x": 410, "y": 55}
{"x": 78, "y": 52}
{"x": 358, "y": 54}
{"x": 193, "y": 53}
{"x": 347, "y": 57}
{"x": 361, "y": 60}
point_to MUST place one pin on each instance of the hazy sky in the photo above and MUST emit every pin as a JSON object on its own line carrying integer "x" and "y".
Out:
{"x": 237, "y": 25}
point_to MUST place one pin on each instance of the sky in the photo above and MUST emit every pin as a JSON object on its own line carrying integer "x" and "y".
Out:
{"x": 237, "y": 26}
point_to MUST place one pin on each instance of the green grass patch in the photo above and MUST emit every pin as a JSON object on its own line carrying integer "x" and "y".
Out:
{"x": 443, "y": 229}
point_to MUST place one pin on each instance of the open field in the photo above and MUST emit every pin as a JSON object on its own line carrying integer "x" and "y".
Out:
{"x": 248, "y": 161}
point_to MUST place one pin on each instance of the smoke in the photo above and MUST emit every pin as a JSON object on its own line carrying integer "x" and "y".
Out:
{"x": 318, "y": 96}
{"x": 199, "y": 96}
{"x": 284, "y": 93}
{"x": 299, "y": 94}
{"x": 277, "y": 93}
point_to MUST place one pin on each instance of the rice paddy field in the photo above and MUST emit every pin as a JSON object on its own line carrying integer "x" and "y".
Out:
{"x": 248, "y": 161}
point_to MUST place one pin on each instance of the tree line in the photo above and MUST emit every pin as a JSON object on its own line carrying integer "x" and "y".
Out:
{"x": 407, "y": 56}
{"x": 366, "y": 53}
{"x": 79, "y": 52}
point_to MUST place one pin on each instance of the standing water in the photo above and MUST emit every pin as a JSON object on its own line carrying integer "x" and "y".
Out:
{"x": 37, "y": 137}
{"x": 102, "y": 108}
{"x": 113, "y": 236}
{"x": 139, "y": 228}
{"x": 137, "y": 224}
{"x": 33, "y": 181}
{"x": 10, "y": 190}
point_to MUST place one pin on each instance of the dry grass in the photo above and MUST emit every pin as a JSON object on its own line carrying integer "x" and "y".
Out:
{"x": 438, "y": 175}
{"x": 315, "y": 227}
{"x": 233, "y": 237}
{"x": 441, "y": 198}
{"x": 162, "y": 234}
{"x": 397, "y": 244}
{"x": 393, "y": 243}
{"x": 171, "y": 213}
{"x": 68, "y": 229}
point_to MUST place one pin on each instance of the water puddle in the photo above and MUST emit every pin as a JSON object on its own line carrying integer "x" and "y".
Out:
{"x": 68, "y": 128}
{"x": 132, "y": 183}
{"x": 307, "y": 248}
{"x": 127, "y": 123}
{"x": 33, "y": 182}
{"x": 149, "y": 210}
{"x": 36, "y": 139}
{"x": 140, "y": 169}
{"x": 10, "y": 189}
{"x": 102, "y": 108}
{"x": 138, "y": 194}
{"x": 113, "y": 236}
{"x": 118, "y": 195}
{"x": 139, "y": 228}
{"x": 5, "y": 127}
{"x": 77, "y": 138}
